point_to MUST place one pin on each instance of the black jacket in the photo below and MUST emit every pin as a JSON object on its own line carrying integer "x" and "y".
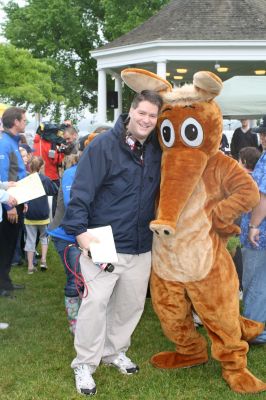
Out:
{"x": 38, "y": 209}
{"x": 241, "y": 139}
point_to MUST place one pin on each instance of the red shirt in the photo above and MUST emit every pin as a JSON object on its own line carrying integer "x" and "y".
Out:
{"x": 41, "y": 148}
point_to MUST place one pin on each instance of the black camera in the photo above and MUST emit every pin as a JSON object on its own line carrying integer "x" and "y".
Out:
{"x": 62, "y": 149}
{"x": 107, "y": 267}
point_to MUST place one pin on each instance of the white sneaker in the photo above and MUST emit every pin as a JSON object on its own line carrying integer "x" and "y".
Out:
{"x": 43, "y": 266}
{"x": 4, "y": 325}
{"x": 124, "y": 364}
{"x": 84, "y": 381}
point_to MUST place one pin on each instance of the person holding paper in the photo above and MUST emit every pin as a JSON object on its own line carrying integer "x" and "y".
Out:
{"x": 11, "y": 201}
{"x": 12, "y": 168}
{"x": 116, "y": 184}
{"x": 37, "y": 217}
{"x": 5, "y": 197}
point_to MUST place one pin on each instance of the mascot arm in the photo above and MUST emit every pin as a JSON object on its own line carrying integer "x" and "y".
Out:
{"x": 241, "y": 195}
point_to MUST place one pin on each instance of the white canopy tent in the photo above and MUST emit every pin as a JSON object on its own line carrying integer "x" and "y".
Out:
{"x": 243, "y": 97}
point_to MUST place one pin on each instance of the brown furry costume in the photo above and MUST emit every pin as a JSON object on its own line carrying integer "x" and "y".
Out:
{"x": 202, "y": 193}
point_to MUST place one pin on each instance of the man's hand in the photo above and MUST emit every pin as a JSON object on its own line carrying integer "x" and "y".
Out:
{"x": 12, "y": 216}
{"x": 25, "y": 208}
{"x": 254, "y": 236}
{"x": 84, "y": 240}
{"x": 11, "y": 184}
{"x": 12, "y": 202}
{"x": 257, "y": 216}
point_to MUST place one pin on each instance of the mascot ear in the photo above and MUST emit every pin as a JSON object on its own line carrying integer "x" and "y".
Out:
{"x": 208, "y": 82}
{"x": 140, "y": 79}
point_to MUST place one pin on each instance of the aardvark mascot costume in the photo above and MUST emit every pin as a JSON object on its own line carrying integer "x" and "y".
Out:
{"x": 202, "y": 192}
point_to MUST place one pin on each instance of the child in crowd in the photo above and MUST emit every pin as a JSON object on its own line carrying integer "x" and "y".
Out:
{"x": 24, "y": 156}
{"x": 69, "y": 255}
{"x": 248, "y": 157}
{"x": 37, "y": 217}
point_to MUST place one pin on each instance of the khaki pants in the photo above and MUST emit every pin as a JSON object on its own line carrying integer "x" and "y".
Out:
{"x": 112, "y": 309}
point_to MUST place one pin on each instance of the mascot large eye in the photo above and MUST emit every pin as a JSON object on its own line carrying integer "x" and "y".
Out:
{"x": 167, "y": 133}
{"x": 192, "y": 132}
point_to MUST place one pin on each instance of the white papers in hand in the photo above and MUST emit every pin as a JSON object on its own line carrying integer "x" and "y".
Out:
{"x": 104, "y": 251}
{"x": 28, "y": 188}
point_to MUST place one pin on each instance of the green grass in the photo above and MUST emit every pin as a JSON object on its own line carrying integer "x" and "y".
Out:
{"x": 37, "y": 349}
{"x": 232, "y": 243}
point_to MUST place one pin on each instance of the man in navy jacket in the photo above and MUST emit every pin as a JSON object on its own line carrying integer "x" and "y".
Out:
{"x": 116, "y": 184}
{"x": 12, "y": 168}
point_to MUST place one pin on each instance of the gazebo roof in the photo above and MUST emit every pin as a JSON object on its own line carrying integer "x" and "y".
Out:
{"x": 227, "y": 37}
{"x": 200, "y": 20}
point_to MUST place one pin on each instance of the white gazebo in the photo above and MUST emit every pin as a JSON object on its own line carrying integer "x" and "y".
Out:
{"x": 189, "y": 35}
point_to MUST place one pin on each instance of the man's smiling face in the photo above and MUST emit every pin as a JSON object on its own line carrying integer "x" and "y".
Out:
{"x": 143, "y": 119}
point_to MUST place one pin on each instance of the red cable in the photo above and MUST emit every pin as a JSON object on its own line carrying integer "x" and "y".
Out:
{"x": 79, "y": 279}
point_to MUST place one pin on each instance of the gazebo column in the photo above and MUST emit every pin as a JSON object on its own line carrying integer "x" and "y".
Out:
{"x": 118, "y": 89}
{"x": 161, "y": 69}
{"x": 102, "y": 100}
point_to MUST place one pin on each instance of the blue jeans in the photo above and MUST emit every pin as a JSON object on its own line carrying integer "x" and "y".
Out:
{"x": 71, "y": 257}
{"x": 254, "y": 287}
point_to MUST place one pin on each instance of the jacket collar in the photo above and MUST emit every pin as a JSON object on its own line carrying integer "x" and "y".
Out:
{"x": 14, "y": 137}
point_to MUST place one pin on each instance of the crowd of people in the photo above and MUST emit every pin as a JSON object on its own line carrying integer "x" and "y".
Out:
{"x": 114, "y": 182}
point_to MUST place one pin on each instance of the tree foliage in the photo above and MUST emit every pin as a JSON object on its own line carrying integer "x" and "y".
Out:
{"x": 25, "y": 80}
{"x": 63, "y": 32}
{"x": 123, "y": 16}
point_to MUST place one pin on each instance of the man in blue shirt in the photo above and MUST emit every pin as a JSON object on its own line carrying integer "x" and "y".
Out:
{"x": 12, "y": 168}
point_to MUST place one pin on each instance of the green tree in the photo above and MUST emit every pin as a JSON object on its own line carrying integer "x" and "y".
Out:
{"x": 123, "y": 16}
{"x": 63, "y": 32}
{"x": 25, "y": 80}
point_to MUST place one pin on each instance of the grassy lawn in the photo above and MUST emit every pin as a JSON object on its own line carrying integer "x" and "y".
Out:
{"x": 37, "y": 349}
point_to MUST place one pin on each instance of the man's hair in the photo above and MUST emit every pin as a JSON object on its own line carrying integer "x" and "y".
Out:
{"x": 35, "y": 164}
{"x": 10, "y": 115}
{"x": 147, "y": 95}
{"x": 249, "y": 157}
{"x": 71, "y": 130}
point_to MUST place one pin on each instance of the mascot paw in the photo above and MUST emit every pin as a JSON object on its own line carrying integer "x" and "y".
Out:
{"x": 224, "y": 229}
{"x": 242, "y": 381}
{"x": 172, "y": 359}
{"x": 250, "y": 329}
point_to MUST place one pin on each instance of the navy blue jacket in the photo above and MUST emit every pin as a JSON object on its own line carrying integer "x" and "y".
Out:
{"x": 38, "y": 209}
{"x": 112, "y": 187}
